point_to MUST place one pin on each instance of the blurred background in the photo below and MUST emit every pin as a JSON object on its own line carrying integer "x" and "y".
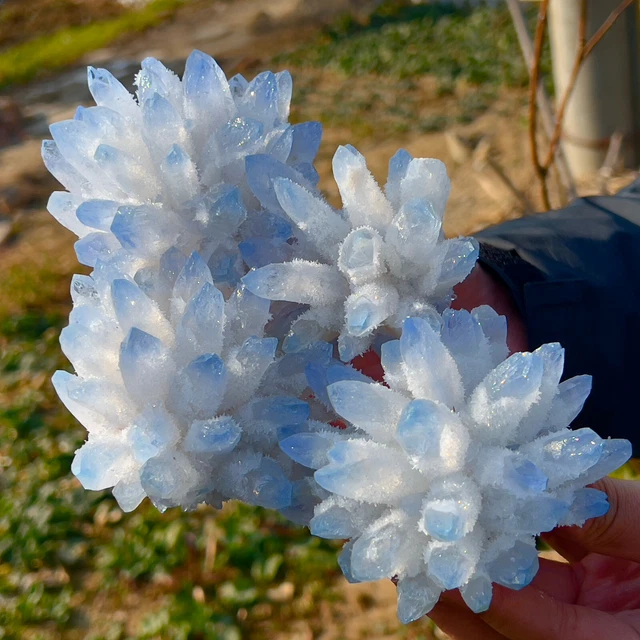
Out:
{"x": 440, "y": 79}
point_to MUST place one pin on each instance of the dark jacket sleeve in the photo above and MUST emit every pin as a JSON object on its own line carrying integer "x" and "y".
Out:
{"x": 575, "y": 277}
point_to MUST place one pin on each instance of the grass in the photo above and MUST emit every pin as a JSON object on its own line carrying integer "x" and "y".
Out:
{"x": 477, "y": 45}
{"x": 410, "y": 69}
{"x": 66, "y": 46}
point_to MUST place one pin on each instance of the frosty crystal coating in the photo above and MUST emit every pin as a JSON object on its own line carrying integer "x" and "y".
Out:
{"x": 195, "y": 203}
{"x": 455, "y": 466}
{"x": 169, "y": 350}
{"x": 382, "y": 258}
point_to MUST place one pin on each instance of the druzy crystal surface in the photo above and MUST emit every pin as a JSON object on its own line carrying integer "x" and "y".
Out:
{"x": 383, "y": 257}
{"x": 211, "y": 342}
{"x": 456, "y": 463}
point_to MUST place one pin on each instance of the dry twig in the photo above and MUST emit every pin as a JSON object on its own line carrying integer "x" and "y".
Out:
{"x": 585, "y": 47}
{"x": 547, "y": 118}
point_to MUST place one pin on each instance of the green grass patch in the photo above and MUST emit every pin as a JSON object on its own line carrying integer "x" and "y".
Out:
{"x": 477, "y": 45}
{"x": 66, "y": 46}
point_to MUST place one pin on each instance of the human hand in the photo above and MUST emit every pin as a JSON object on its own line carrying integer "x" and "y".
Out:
{"x": 595, "y": 596}
{"x": 482, "y": 287}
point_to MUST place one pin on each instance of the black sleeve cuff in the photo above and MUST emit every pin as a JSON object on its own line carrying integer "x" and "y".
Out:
{"x": 512, "y": 270}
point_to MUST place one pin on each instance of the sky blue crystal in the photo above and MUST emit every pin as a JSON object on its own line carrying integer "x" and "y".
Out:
{"x": 334, "y": 523}
{"x": 158, "y": 114}
{"x": 257, "y": 352}
{"x": 201, "y": 326}
{"x": 288, "y": 430}
{"x": 280, "y": 410}
{"x": 373, "y": 555}
{"x": 130, "y": 303}
{"x": 263, "y": 91}
{"x": 542, "y": 513}
{"x": 295, "y": 363}
{"x": 142, "y": 229}
{"x": 306, "y": 142}
{"x": 95, "y": 246}
{"x": 449, "y": 566}
{"x": 97, "y": 214}
{"x": 362, "y": 317}
{"x": 338, "y": 478}
{"x": 67, "y": 175}
{"x": 460, "y": 259}
{"x": 525, "y": 475}
{"x": 62, "y": 206}
{"x": 225, "y": 210}
{"x": 280, "y": 148}
{"x": 259, "y": 252}
{"x": 316, "y": 375}
{"x": 194, "y": 275}
{"x": 420, "y": 428}
{"x": 576, "y": 451}
{"x": 207, "y": 95}
{"x": 552, "y": 355}
{"x": 109, "y": 92}
{"x": 122, "y": 168}
{"x": 226, "y": 267}
{"x": 241, "y": 134}
{"x": 214, "y": 166}
{"x": 477, "y": 593}
{"x": 515, "y": 568}
{"x": 368, "y": 406}
{"x": 177, "y": 160}
{"x": 179, "y": 174}
{"x": 302, "y": 335}
{"x": 416, "y": 597}
{"x": 262, "y": 170}
{"x": 163, "y": 480}
{"x": 83, "y": 289}
{"x": 445, "y": 520}
{"x": 518, "y": 376}
{"x": 303, "y": 500}
{"x": 95, "y": 462}
{"x": 420, "y": 346}
{"x": 461, "y": 332}
{"x": 268, "y": 225}
{"x": 152, "y": 432}
{"x": 358, "y": 250}
{"x": 614, "y": 454}
{"x": 308, "y": 449}
{"x": 143, "y": 364}
{"x": 215, "y": 436}
{"x": 416, "y": 226}
{"x": 200, "y": 387}
{"x": 398, "y": 165}
{"x": 344, "y": 562}
{"x": 269, "y": 486}
{"x": 588, "y": 503}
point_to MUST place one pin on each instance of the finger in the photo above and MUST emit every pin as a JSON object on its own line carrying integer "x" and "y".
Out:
{"x": 559, "y": 580}
{"x": 460, "y": 623}
{"x": 531, "y": 614}
{"x": 563, "y": 541}
{"x": 614, "y": 534}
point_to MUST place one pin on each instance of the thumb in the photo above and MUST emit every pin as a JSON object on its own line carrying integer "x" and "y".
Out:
{"x": 614, "y": 534}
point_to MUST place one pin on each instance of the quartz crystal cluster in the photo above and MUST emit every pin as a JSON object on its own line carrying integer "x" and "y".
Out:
{"x": 223, "y": 290}
{"x": 169, "y": 349}
{"x": 383, "y": 257}
{"x": 456, "y": 463}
